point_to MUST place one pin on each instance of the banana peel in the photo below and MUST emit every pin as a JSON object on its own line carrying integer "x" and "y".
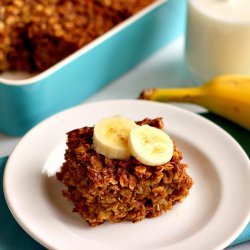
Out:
{"x": 227, "y": 96}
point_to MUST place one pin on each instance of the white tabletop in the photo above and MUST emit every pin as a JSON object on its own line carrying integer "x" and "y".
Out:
{"x": 166, "y": 68}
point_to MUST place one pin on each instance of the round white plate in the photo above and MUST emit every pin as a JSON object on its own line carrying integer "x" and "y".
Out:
{"x": 212, "y": 216}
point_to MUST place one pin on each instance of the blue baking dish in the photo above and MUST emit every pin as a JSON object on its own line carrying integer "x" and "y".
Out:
{"x": 25, "y": 102}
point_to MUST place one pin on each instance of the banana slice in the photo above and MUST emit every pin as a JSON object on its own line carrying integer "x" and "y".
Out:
{"x": 150, "y": 145}
{"x": 111, "y": 137}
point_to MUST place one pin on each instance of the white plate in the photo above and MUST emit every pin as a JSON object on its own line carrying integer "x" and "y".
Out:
{"x": 212, "y": 216}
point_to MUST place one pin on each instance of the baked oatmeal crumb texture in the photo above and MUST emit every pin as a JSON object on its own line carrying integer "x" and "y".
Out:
{"x": 34, "y": 35}
{"x": 103, "y": 189}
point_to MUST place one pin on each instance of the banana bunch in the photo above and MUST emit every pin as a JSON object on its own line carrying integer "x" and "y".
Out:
{"x": 227, "y": 96}
{"x": 119, "y": 137}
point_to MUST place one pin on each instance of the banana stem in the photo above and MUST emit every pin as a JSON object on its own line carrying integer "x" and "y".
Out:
{"x": 172, "y": 95}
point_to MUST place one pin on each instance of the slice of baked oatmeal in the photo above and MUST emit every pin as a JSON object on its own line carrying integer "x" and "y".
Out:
{"x": 104, "y": 189}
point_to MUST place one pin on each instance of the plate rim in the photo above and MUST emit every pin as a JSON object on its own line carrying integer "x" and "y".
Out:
{"x": 85, "y": 105}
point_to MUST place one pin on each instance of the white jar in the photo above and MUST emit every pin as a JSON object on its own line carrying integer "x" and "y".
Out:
{"x": 218, "y": 38}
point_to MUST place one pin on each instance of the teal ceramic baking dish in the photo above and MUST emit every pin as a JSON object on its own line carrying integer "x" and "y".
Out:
{"x": 25, "y": 102}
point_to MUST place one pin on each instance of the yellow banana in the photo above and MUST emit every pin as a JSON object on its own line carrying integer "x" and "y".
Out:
{"x": 227, "y": 96}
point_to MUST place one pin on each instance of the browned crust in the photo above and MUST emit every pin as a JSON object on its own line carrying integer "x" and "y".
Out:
{"x": 127, "y": 8}
{"x": 116, "y": 190}
{"x": 45, "y": 31}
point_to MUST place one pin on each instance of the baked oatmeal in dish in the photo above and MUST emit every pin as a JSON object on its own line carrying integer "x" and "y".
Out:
{"x": 123, "y": 186}
{"x": 35, "y": 35}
